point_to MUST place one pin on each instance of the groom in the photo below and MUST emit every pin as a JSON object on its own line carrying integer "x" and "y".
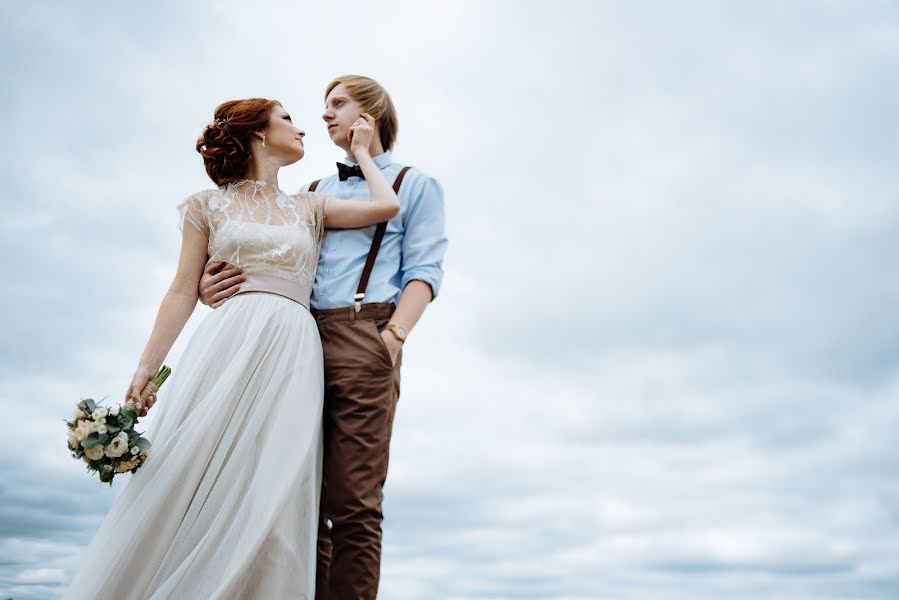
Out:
{"x": 371, "y": 287}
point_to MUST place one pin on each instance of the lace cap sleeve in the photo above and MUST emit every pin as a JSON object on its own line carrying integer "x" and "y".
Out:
{"x": 195, "y": 210}
{"x": 316, "y": 205}
{"x": 319, "y": 202}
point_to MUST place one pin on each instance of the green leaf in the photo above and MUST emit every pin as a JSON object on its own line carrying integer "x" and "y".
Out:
{"x": 142, "y": 443}
{"x": 128, "y": 413}
{"x": 106, "y": 474}
{"x": 126, "y": 420}
{"x": 90, "y": 441}
{"x": 112, "y": 428}
{"x": 103, "y": 439}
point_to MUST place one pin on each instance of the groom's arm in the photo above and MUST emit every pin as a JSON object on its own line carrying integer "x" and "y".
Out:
{"x": 424, "y": 239}
{"x": 424, "y": 244}
{"x": 412, "y": 304}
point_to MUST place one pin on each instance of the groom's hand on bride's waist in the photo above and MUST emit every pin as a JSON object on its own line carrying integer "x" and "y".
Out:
{"x": 219, "y": 282}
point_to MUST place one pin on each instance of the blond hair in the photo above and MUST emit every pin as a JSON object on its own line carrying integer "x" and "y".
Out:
{"x": 375, "y": 101}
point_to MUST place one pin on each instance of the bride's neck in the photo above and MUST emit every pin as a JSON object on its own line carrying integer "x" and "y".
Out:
{"x": 259, "y": 171}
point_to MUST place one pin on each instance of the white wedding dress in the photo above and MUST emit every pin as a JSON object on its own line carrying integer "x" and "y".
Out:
{"x": 226, "y": 504}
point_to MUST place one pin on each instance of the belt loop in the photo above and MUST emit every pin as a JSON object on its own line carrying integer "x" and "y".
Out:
{"x": 352, "y": 311}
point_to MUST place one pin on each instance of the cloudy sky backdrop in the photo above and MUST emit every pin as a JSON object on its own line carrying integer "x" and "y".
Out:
{"x": 665, "y": 362}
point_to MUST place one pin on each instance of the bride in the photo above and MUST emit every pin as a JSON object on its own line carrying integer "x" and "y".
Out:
{"x": 226, "y": 505}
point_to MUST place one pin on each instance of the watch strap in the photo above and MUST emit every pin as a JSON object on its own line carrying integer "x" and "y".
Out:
{"x": 398, "y": 331}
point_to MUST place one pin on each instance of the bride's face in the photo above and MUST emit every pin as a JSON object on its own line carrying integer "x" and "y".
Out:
{"x": 282, "y": 139}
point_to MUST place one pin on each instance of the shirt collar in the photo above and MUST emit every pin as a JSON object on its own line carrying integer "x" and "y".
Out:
{"x": 381, "y": 160}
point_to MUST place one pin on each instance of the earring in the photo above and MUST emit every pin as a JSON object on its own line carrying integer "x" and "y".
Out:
{"x": 263, "y": 140}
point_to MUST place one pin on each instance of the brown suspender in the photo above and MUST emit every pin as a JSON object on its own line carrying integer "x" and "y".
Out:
{"x": 375, "y": 243}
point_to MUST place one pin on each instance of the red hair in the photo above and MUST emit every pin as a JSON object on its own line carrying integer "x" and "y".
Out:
{"x": 225, "y": 143}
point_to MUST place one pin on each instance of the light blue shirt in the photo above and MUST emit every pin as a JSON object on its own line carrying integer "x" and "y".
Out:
{"x": 412, "y": 248}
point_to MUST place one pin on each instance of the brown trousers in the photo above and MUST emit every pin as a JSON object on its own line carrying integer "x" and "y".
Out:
{"x": 362, "y": 388}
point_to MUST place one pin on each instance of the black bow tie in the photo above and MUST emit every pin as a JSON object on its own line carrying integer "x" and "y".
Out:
{"x": 344, "y": 171}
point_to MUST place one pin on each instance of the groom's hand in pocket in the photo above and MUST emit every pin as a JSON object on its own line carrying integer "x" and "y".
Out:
{"x": 219, "y": 282}
{"x": 393, "y": 345}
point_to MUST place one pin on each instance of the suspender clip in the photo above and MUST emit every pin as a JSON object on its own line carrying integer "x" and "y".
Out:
{"x": 358, "y": 301}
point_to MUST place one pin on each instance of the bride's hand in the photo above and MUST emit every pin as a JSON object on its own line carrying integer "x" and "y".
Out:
{"x": 141, "y": 376}
{"x": 361, "y": 133}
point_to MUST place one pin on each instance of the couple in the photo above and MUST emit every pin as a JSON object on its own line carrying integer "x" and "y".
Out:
{"x": 270, "y": 443}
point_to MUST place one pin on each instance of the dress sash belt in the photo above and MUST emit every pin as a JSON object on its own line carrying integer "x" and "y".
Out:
{"x": 257, "y": 282}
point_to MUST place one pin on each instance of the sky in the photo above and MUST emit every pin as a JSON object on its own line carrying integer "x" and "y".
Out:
{"x": 664, "y": 361}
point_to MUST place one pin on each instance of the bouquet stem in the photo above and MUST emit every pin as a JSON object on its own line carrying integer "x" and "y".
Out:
{"x": 152, "y": 386}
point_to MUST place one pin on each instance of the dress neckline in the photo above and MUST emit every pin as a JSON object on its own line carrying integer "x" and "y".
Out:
{"x": 257, "y": 184}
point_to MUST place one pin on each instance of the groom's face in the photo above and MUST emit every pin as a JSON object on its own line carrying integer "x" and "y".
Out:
{"x": 341, "y": 111}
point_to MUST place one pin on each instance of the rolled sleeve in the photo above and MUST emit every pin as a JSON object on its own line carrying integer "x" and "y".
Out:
{"x": 424, "y": 239}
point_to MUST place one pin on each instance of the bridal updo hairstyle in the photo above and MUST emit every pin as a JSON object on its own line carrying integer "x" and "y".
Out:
{"x": 225, "y": 143}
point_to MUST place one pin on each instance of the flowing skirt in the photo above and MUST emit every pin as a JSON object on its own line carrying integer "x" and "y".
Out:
{"x": 226, "y": 504}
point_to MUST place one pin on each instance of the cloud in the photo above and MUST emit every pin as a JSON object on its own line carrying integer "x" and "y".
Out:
{"x": 663, "y": 363}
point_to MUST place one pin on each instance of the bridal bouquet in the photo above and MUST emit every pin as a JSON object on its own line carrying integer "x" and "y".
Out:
{"x": 105, "y": 437}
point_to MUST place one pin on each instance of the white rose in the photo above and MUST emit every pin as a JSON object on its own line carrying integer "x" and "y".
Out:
{"x": 99, "y": 413}
{"x": 117, "y": 446}
{"x": 95, "y": 452}
{"x": 114, "y": 411}
{"x": 83, "y": 429}
{"x": 102, "y": 429}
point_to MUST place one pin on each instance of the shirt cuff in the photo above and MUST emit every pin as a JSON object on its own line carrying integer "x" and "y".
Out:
{"x": 430, "y": 275}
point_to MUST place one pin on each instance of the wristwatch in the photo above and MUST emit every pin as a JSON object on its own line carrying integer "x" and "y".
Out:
{"x": 398, "y": 331}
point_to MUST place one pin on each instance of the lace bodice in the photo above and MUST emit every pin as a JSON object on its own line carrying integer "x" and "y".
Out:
{"x": 260, "y": 229}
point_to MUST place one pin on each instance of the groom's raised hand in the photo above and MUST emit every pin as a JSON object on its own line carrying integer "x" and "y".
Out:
{"x": 219, "y": 282}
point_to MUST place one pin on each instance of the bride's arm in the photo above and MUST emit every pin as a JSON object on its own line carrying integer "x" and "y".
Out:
{"x": 176, "y": 308}
{"x": 346, "y": 214}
